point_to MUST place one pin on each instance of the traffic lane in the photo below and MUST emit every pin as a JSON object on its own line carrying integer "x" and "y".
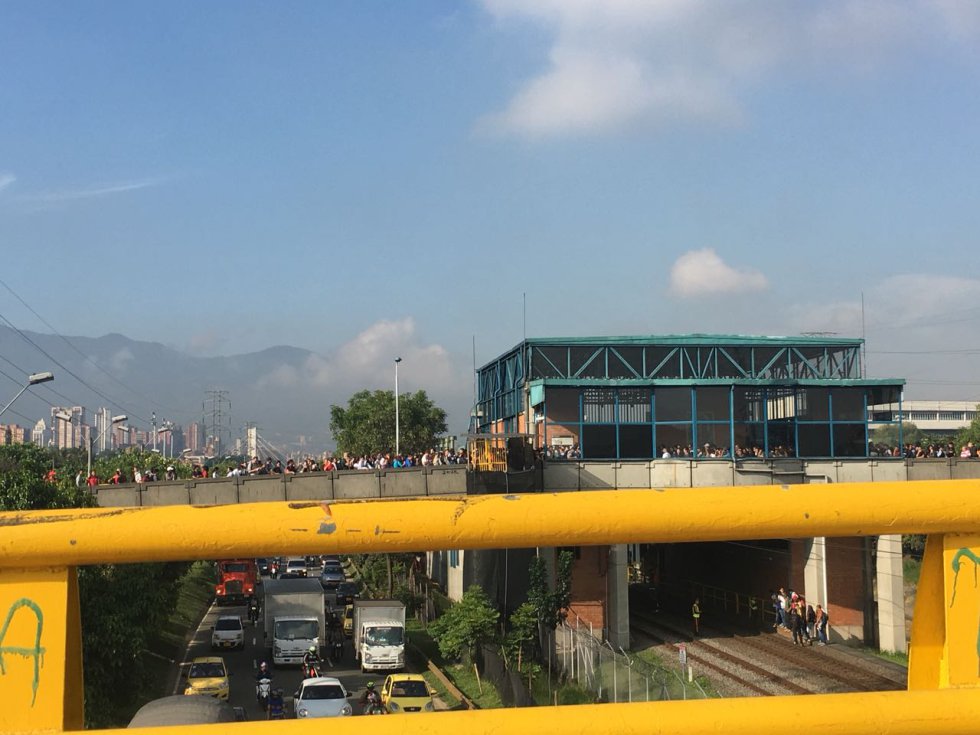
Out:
{"x": 288, "y": 678}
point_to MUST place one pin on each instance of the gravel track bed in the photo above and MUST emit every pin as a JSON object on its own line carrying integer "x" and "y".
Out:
{"x": 745, "y": 675}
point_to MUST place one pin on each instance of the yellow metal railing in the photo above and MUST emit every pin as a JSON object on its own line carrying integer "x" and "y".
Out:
{"x": 40, "y": 637}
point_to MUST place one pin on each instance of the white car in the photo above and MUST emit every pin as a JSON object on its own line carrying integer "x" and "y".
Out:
{"x": 322, "y": 696}
{"x": 296, "y": 566}
{"x": 228, "y": 632}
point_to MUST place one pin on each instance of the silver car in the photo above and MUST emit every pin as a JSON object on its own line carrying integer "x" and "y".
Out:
{"x": 332, "y": 576}
{"x": 322, "y": 696}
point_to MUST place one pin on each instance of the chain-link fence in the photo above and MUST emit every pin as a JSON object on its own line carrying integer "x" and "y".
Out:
{"x": 576, "y": 654}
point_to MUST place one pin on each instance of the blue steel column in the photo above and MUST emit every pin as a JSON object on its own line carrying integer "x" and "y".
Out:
{"x": 731, "y": 422}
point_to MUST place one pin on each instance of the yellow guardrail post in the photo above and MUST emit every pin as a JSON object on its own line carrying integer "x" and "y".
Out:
{"x": 40, "y": 650}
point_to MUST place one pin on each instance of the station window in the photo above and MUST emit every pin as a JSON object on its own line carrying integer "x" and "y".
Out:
{"x": 813, "y": 404}
{"x": 599, "y": 442}
{"x": 599, "y": 406}
{"x": 849, "y": 440}
{"x": 636, "y": 441}
{"x": 634, "y": 406}
{"x": 782, "y": 440}
{"x": 848, "y": 404}
{"x": 672, "y": 404}
{"x": 673, "y": 436}
{"x": 814, "y": 440}
{"x": 712, "y": 403}
{"x": 561, "y": 404}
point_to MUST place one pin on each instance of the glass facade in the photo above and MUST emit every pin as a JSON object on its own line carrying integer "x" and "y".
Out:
{"x": 708, "y": 422}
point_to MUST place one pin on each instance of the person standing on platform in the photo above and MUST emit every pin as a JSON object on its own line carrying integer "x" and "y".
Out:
{"x": 696, "y": 615}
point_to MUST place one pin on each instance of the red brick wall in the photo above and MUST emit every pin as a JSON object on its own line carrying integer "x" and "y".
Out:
{"x": 588, "y": 598}
{"x": 845, "y": 580}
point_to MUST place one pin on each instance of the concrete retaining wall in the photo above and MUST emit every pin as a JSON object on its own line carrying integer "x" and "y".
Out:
{"x": 350, "y": 485}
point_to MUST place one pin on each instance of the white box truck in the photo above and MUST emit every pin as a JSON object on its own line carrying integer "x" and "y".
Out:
{"x": 379, "y": 634}
{"x": 294, "y": 619}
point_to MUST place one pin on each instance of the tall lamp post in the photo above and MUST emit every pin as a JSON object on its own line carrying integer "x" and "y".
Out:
{"x": 397, "y": 428}
{"x": 91, "y": 442}
{"x": 32, "y": 379}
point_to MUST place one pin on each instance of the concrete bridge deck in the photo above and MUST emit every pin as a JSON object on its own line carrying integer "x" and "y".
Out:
{"x": 554, "y": 476}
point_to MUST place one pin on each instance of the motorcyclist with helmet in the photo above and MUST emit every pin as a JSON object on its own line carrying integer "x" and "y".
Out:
{"x": 371, "y": 700}
{"x": 263, "y": 685}
{"x": 311, "y": 660}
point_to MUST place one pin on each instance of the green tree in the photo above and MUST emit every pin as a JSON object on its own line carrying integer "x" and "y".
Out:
{"x": 466, "y": 625}
{"x": 888, "y": 435}
{"x": 521, "y": 640}
{"x": 367, "y": 424}
{"x": 969, "y": 433}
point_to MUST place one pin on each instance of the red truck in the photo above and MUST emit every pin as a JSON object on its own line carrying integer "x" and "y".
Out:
{"x": 236, "y": 581}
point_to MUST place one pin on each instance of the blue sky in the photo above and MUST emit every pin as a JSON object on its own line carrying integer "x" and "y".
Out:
{"x": 371, "y": 179}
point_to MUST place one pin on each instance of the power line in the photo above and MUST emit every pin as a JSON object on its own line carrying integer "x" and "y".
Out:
{"x": 97, "y": 392}
{"x": 85, "y": 357}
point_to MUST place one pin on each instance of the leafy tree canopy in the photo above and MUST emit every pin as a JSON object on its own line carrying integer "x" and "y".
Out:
{"x": 888, "y": 435}
{"x": 969, "y": 433}
{"x": 367, "y": 424}
{"x": 469, "y": 623}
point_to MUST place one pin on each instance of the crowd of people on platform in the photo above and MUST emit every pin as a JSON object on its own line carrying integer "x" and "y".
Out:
{"x": 937, "y": 450}
{"x": 707, "y": 451}
{"x": 347, "y": 461}
{"x": 270, "y": 466}
{"x": 806, "y": 622}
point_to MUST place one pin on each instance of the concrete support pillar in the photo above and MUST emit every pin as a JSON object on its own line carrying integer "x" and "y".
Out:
{"x": 815, "y": 571}
{"x": 891, "y": 594}
{"x": 617, "y": 595}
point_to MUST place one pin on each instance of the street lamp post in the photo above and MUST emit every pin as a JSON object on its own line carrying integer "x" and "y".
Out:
{"x": 32, "y": 379}
{"x": 397, "y": 428}
{"x": 91, "y": 442}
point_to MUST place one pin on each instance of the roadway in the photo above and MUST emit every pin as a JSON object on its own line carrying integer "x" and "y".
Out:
{"x": 243, "y": 664}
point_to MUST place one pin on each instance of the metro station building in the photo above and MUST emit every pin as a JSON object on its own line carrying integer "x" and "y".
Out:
{"x": 632, "y": 398}
{"x": 682, "y": 411}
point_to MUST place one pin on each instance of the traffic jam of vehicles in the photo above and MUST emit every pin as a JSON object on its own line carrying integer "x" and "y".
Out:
{"x": 301, "y": 643}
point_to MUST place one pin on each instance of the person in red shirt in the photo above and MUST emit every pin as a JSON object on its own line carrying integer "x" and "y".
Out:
{"x": 92, "y": 480}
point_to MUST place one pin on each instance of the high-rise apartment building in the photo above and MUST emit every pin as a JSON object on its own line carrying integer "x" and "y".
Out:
{"x": 39, "y": 434}
{"x": 68, "y": 427}
{"x": 193, "y": 436}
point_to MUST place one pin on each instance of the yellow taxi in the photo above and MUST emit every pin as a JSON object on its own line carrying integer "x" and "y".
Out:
{"x": 349, "y": 621}
{"x": 208, "y": 676}
{"x": 406, "y": 693}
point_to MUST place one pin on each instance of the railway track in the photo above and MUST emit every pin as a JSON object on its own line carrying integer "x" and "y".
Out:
{"x": 765, "y": 663}
{"x": 701, "y": 655}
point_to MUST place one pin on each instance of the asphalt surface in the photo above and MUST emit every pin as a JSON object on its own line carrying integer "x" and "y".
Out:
{"x": 243, "y": 664}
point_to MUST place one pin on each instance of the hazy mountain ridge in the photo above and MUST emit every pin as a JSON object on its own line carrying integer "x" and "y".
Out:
{"x": 161, "y": 379}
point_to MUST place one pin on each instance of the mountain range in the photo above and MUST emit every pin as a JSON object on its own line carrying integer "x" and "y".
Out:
{"x": 285, "y": 391}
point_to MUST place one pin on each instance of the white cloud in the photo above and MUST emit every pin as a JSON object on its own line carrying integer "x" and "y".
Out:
{"x": 619, "y": 64}
{"x": 367, "y": 361}
{"x": 703, "y": 272}
{"x": 6, "y": 179}
{"x": 120, "y": 360}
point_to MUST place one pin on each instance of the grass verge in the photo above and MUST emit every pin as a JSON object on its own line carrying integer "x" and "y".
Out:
{"x": 462, "y": 676}
{"x": 166, "y": 649}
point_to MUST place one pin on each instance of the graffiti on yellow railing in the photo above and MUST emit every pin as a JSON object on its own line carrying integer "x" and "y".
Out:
{"x": 36, "y": 652}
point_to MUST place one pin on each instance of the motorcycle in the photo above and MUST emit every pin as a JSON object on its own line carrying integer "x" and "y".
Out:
{"x": 253, "y": 612}
{"x": 373, "y": 705}
{"x": 263, "y": 688}
{"x": 311, "y": 670}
